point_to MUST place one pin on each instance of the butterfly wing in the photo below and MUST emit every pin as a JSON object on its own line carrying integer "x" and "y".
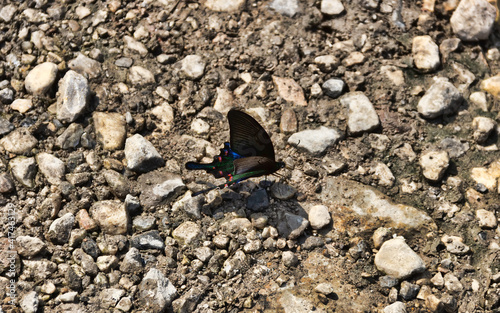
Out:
{"x": 222, "y": 165}
{"x": 247, "y": 137}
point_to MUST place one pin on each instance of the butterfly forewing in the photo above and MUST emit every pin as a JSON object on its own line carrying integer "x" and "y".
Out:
{"x": 247, "y": 137}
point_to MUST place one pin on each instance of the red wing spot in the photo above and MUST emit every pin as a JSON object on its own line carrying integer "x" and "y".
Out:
{"x": 213, "y": 167}
{"x": 225, "y": 185}
{"x": 220, "y": 159}
{"x": 220, "y": 172}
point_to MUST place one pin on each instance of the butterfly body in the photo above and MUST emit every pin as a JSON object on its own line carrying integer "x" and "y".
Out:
{"x": 250, "y": 153}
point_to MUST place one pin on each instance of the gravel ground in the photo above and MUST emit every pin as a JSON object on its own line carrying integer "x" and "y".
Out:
{"x": 385, "y": 113}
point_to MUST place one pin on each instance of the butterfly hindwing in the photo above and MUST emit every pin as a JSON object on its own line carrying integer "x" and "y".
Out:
{"x": 247, "y": 137}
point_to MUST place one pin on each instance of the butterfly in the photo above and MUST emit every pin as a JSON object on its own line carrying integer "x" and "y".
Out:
{"x": 249, "y": 153}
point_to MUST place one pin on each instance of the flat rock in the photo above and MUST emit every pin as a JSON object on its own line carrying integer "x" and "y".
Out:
{"x": 21, "y": 105}
{"x": 487, "y": 219}
{"x": 24, "y": 170}
{"x": 258, "y": 200}
{"x": 70, "y": 138}
{"x": 7, "y": 12}
{"x": 5, "y": 126}
{"x": 110, "y": 129}
{"x": 135, "y": 47}
{"x": 60, "y": 229}
{"x": 292, "y": 226}
{"x": 28, "y": 246}
{"x": 6, "y": 183}
{"x": 285, "y": 7}
{"x": 351, "y": 200}
{"x": 155, "y": 292}
{"x": 225, "y": 5}
{"x": 187, "y": 232}
{"x": 109, "y": 297}
{"x": 41, "y": 78}
{"x": 85, "y": 66}
{"x": 148, "y": 240}
{"x": 111, "y": 216}
{"x": 283, "y": 191}
{"x": 441, "y": 98}
{"x": 425, "y": 53}
{"x": 361, "y": 116}
{"x": 315, "y": 141}
{"x": 20, "y": 141}
{"x": 140, "y": 76}
{"x": 141, "y": 155}
{"x": 159, "y": 187}
{"x": 51, "y": 167}
{"x": 290, "y": 90}
{"x": 396, "y": 307}
{"x": 487, "y": 176}
{"x": 72, "y": 98}
{"x": 473, "y": 20}
{"x": 397, "y": 259}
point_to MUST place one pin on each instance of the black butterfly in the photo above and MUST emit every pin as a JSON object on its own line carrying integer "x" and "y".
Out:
{"x": 250, "y": 153}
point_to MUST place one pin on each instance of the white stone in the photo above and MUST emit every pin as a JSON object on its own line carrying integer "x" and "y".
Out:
{"x": 425, "y": 53}
{"x": 473, "y": 20}
{"x": 479, "y": 99}
{"x": 225, "y": 5}
{"x": 134, "y": 46}
{"x": 72, "y": 96}
{"x": 319, "y": 216}
{"x": 140, "y": 76}
{"x": 441, "y": 98}
{"x": 285, "y": 7}
{"x": 187, "y": 232}
{"x": 486, "y": 218}
{"x": 331, "y": 7}
{"x": 397, "y": 259}
{"x": 21, "y": 105}
{"x": 41, "y": 78}
{"x": 193, "y": 66}
{"x": 452, "y": 284}
{"x": 315, "y": 141}
{"x": 434, "y": 164}
{"x": 487, "y": 176}
{"x": 396, "y": 307}
{"x": 455, "y": 244}
{"x": 141, "y": 155}
{"x": 384, "y": 175}
{"x": 483, "y": 127}
{"x": 111, "y": 215}
{"x": 200, "y": 127}
{"x": 361, "y": 116}
{"x": 394, "y": 74}
{"x": 51, "y": 167}
{"x": 165, "y": 114}
{"x": 82, "y": 12}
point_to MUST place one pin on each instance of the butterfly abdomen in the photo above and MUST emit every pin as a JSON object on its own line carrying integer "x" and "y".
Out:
{"x": 198, "y": 166}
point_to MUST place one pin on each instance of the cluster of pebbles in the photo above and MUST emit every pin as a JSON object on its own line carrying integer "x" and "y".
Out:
{"x": 385, "y": 113}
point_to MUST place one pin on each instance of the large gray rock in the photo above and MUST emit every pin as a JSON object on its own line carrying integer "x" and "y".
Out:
{"x": 24, "y": 170}
{"x": 60, "y": 229}
{"x": 155, "y": 292}
{"x": 141, "y": 155}
{"x": 441, "y": 98}
{"x": 72, "y": 96}
{"x": 473, "y": 20}
{"x": 51, "y": 167}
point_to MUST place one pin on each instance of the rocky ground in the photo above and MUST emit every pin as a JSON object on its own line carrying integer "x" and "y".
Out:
{"x": 385, "y": 113}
